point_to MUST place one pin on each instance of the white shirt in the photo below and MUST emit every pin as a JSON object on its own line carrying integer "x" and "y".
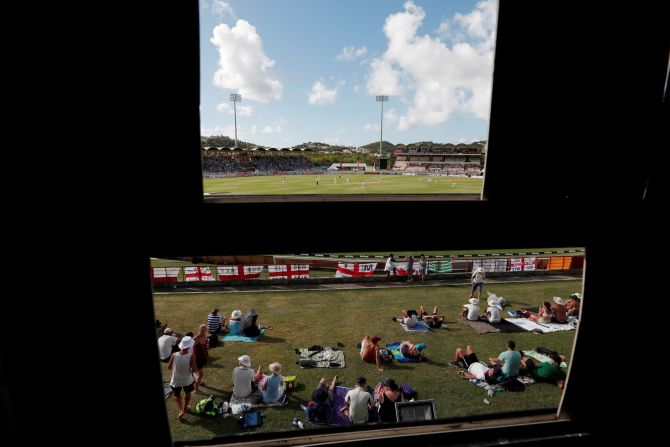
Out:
{"x": 411, "y": 322}
{"x": 389, "y": 265}
{"x": 165, "y": 344}
{"x": 473, "y": 312}
{"x": 478, "y": 277}
{"x": 242, "y": 378}
{"x": 494, "y": 317}
{"x": 478, "y": 369}
{"x": 358, "y": 400}
{"x": 181, "y": 370}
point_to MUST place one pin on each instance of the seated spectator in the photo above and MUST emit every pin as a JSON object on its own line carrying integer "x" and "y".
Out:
{"x": 250, "y": 326}
{"x": 433, "y": 320}
{"x": 321, "y": 408}
{"x": 215, "y": 321}
{"x": 544, "y": 315}
{"x": 550, "y": 371}
{"x": 572, "y": 305}
{"x": 492, "y": 312}
{"x": 510, "y": 359}
{"x": 370, "y": 351}
{"x": 235, "y": 323}
{"x": 244, "y": 379}
{"x": 560, "y": 311}
{"x": 167, "y": 344}
{"x": 359, "y": 401}
{"x": 410, "y": 350}
{"x": 387, "y": 399}
{"x": 471, "y": 311}
{"x": 273, "y": 387}
{"x": 475, "y": 368}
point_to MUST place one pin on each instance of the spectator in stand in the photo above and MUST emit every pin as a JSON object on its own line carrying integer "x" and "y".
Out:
{"x": 167, "y": 345}
{"x": 471, "y": 311}
{"x": 560, "y": 311}
{"x": 390, "y": 267}
{"x": 477, "y": 280}
{"x": 215, "y": 321}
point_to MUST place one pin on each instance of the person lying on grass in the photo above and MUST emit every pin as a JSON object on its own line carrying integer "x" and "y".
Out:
{"x": 370, "y": 351}
{"x": 412, "y": 351}
{"x": 550, "y": 372}
{"x": 433, "y": 320}
{"x": 475, "y": 369}
{"x": 409, "y": 318}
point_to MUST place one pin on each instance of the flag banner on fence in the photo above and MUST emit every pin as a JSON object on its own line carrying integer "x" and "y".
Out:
{"x": 198, "y": 274}
{"x": 239, "y": 272}
{"x": 559, "y": 262}
{"x": 164, "y": 274}
{"x": 288, "y": 271}
{"x": 356, "y": 270}
{"x": 515, "y": 264}
{"x": 490, "y": 265}
{"x": 529, "y": 264}
{"x": 401, "y": 269}
{"x": 440, "y": 266}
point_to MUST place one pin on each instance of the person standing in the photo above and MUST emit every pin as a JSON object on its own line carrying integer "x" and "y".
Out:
{"x": 477, "y": 280}
{"x": 410, "y": 268}
{"x": 390, "y": 267}
{"x": 423, "y": 269}
{"x": 201, "y": 355}
{"x": 182, "y": 365}
{"x": 358, "y": 400}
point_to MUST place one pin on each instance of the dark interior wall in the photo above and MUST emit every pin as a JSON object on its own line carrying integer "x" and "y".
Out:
{"x": 570, "y": 89}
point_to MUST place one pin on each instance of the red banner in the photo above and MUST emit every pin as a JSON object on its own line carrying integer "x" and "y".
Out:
{"x": 198, "y": 274}
{"x": 356, "y": 270}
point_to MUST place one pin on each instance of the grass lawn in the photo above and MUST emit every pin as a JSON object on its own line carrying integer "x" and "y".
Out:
{"x": 332, "y": 184}
{"x": 304, "y": 318}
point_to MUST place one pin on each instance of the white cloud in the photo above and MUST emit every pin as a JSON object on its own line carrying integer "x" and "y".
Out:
{"x": 322, "y": 95}
{"x": 242, "y": 109}
{"x": 371, "y": 127}
{"x": 351, "y": 53}
{"x": 271, "y": 129}
{"x": 221, "y": 7}
{"x": 440, "y": 80}
{"x": 243, "y": 66}
{"x": 203, "y": 5}
{"x": 357, "y": 88}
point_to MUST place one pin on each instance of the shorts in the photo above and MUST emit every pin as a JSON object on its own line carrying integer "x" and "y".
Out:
{"x": 469, "y": 359}
{"x": 554, "y": 320}
{"x": 177, "y": 389}
{"x": 478, "y": 285}
{"x": 200, "y": 362}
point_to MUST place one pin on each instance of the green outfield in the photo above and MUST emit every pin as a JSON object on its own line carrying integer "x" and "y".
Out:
{"x": 305, "y": 318}
{"x": 338, "y": 184}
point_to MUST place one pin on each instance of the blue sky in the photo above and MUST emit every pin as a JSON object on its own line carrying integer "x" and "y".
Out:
{"x": 309, "y": 70}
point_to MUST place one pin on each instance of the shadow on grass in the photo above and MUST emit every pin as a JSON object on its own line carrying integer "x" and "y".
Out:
{"x": 267, "y": 339}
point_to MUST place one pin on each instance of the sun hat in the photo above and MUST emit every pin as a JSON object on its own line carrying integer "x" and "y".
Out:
{"x": 559, "y": 300}
{"x": 236, "y": 314}
{"x": 576, "y": 295}
{"x": 473, "y": 300}
{"x": 245, "y": 360}
{"x": 493, "y": 303}
{"x": 420, "y": 346}
{"x": 186, "y": 342}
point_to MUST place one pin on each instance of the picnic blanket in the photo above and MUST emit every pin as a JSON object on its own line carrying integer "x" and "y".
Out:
{"x": 507, "y": 327}
{"x": 239, "y": 405}
{"x": 243, "y": 338}
{"x": 420, "y": 327}
{"x": 541, "y": 357}
{"x": 481, "y": 327}
{"x": 326, "y": 358}
{"x": 395, "y": 350}
{"x": 544, "y": 328}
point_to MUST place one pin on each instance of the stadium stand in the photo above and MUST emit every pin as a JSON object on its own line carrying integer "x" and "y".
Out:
{"x": 224, "y": 161}
{"x": 439, "y": 159}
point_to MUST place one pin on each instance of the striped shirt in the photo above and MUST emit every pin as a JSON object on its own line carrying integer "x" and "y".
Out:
{"x": 214, "y": 323}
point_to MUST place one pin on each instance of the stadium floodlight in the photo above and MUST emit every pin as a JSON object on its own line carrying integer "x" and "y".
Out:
{"x": 382, "y": 99}
{"x": 235, "y": 98}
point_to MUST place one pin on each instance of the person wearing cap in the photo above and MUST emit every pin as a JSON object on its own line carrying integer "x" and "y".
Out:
{"x": 370, "y": 351}
{"x": 244, "y": 379}
{"x": 182, "y": 365}
{"x": 235, "y": 323}
{"x": 510, "y": 359}
{"x": 215, "y": 321}
{"x": 167, "y": 344}
{"x": 559, "y": 310}
{"x": 273, "y": 386}
{"x": 358, "y": 401}
{"x": 387, "y": 398}
{"x": 572, "y": 305}
{"x": 544, "y": 315}
{"x": 477, "y": 280}
{"x": 471, "y": 311}
{"x": 410, "y": 350}
{"x": 492, "y": 314}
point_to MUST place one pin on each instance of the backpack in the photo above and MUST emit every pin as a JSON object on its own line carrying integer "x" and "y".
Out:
{"x": 251, "y": 419}
{"x": 213, "y": 340}
{"x": 307, "y": 363}
{"x": 207, "y": 406}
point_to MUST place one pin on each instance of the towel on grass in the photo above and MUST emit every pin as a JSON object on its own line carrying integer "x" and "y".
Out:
{"x": 395, "y": 350}
{"x": 544, "y": 328}
{"x": 420, "y": 327}
{"x": 481, "y": 327}
{"x": 326, "y": 358}
{"x": 243, "y": 338}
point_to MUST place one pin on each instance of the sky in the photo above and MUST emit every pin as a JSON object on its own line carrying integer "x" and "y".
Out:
{"x": 309, "y": 70}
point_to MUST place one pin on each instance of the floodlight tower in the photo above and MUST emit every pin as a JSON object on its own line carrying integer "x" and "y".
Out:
{"x": 382, "y": 99}
{"x": 235, "y": 98}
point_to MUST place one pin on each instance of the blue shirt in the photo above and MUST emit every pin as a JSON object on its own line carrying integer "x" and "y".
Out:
{"x": 512, "y": 362}
{"x": 271, "y": 393}
{"x": 235, "y": 327}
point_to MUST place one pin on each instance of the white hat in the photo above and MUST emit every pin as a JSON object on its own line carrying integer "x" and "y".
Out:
{"x": 473, "y": 300}
{"x": 186, "y": 342}
{"x": 559, "y": 300}
{"x": 493, "y": 303}
{"x": 479, "y": 270}
{"x": 244, "y": 360}
{"x": 577, "y": 295}
{"x": 236, "y": 314}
